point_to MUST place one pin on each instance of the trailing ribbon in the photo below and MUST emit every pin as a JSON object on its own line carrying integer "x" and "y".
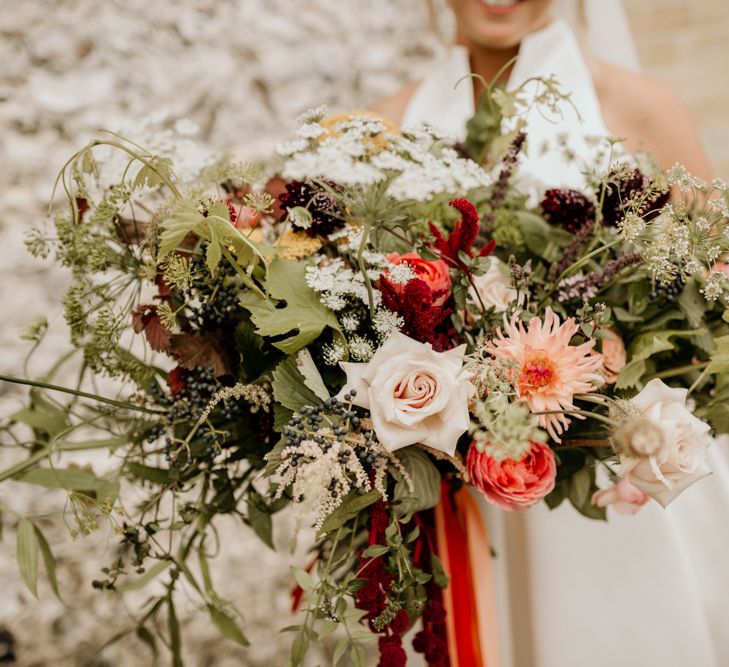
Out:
{"x": 464, "y": 549}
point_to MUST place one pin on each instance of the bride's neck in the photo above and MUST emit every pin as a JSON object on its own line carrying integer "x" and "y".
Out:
{"x": 487, "y": 63}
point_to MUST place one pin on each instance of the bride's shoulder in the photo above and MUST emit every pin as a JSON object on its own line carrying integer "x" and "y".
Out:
{"x": 642, "y": 108}
{"x": 393, "y": 107}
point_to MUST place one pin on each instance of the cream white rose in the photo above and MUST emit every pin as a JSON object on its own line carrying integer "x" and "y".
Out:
{"x": 663, "y": 450}
{"x": 494, "y": 287}
{"x": 414, "y": 394}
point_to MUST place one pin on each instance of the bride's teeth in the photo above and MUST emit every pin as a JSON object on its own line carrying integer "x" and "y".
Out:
{"x": 499, "y": 3}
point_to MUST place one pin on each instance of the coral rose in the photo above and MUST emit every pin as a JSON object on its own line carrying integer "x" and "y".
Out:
{"x": 434, "y": 274}
{"x": 513, "y": 484}
{"x": 623, "y": 497}
{"x": 414, "y": 394}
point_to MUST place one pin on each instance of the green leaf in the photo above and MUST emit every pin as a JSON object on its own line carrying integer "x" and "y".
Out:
{"x": 289, "y": 387}
{"x": 375, "y": 551}
{"x": 340, "y": 650}
{"x": 413, "y": 535}
{"x": 274, "y": 458}
{"x": 720, "y": 360}
{"x": 153, "y": 175}
{"x": 299, "y": 648}
{"x": 327, "y": 628}
{"x": 717, "y": 414}
{"x": 147, "y": 638}
{"x": 174, "y": 630}
{"x": 351, "y": 506}
{"x": 354, "y": 614}
{"x": 155, "y": 475}
{"x": 692, "y": 303}
{"x": 301, "y": 319}
{"x": 214, "y": 252}
{"x": 72, "y": 479}
{"x": 622, "y": 315}
{"x": 439, "y": 574}
{"x": 631, "y": 374}
{"x": 311, "y": 375}
{"x": 580, "y": 487}
{"x": 425, "y": 478}
{"x": 47, "y": 419}
{"x": 645, "y": 346}
{"x": 227, "y": 626}
{"x": 557, "y": 496}
{"x": 205, "y": 571}
{"x": 27, "y": 554}
{"x": 48, "y": 561}
{"x": 260, "y": 519}
{"x": 151, "y": 574}
{"x": 358, "y": 656}
{"x": 303, "y": 578}
{"x": 540, "y": 237}
{"x": 184, "y": 220}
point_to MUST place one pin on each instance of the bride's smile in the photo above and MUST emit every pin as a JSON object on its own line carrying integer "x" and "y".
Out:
{"x": 500, "y": 6}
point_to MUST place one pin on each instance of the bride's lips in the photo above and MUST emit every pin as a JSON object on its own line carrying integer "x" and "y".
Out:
{"x": 499, "y": 6}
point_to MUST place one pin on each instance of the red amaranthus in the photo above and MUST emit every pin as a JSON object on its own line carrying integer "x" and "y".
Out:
{"x": 463, "y": 236}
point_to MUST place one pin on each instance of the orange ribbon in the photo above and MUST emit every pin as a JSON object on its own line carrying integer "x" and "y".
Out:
{"x": 464, "y": 549}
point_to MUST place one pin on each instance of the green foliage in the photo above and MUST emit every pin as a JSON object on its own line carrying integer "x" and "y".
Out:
{"x": 289, "y": 386}
{"x": 73, "y": 480}
{"x": 542, "y": 239}
{"x": 425, "y": 479}
{"x": 350, "y": 508}
{"x": 297, "y": 317}
{"x": 646, "y": 346}
{"x": 27, "y": 554}
{"x": 227, "y": 625}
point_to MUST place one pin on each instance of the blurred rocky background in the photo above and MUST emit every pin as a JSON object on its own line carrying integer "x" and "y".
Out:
{"x": 241, "y": 70}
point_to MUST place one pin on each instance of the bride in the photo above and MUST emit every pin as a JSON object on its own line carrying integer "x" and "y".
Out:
{"x": 642, "y": 591}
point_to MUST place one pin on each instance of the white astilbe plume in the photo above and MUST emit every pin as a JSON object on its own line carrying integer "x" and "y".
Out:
{"x": 322, "y": 471}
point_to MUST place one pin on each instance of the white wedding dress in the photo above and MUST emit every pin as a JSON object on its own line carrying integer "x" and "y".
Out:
{"x": 645, "y": 591}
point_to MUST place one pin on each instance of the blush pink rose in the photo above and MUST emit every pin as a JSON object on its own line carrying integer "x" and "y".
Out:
{"x": 623, "y": 497}
{"x": 434, "y": 274}
{"x": 513, "y": 484}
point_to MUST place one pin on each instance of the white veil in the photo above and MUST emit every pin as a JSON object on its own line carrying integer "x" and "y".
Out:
{"x": 603, "y": 29}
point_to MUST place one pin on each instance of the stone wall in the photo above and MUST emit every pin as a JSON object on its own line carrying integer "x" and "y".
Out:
{"x": 242, "y": 70}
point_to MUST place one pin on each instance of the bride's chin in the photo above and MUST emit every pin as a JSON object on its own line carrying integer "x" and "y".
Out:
{"x": 500, "y": 24}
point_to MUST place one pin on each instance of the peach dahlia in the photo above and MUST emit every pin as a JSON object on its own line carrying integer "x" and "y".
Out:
{"x": 549, "y": 370}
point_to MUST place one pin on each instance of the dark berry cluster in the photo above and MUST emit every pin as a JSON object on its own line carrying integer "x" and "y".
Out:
{"x": 343, "y": 421}
{"x": 195, "y": 388}
{"x": 214, "y": 302}
{"x": 668, "y": 294}
{"x": 569, "y": 209}
{"x": 325, "y": 214}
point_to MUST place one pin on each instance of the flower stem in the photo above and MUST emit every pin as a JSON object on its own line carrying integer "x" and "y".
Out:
{"x": 363, "y": 268}
{"x": 81, "y": 394}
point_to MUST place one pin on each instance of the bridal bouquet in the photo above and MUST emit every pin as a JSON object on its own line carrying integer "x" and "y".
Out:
{"x": 358, "y": 329}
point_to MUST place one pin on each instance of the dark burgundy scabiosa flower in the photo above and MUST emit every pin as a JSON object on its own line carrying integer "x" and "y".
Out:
{"x": 325, "y": 217}
{"x": 621, "y": 189}
{"x": 567, "y": 208}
